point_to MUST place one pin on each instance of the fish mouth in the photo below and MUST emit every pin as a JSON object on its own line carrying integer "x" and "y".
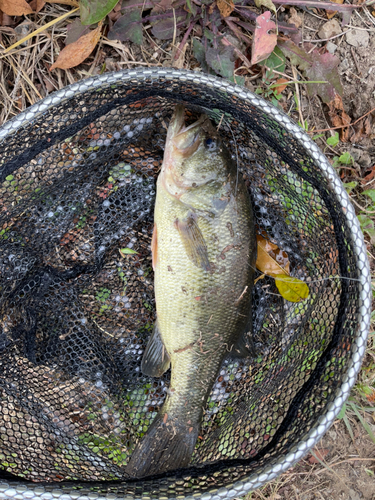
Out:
{"x": 185, "y": 139}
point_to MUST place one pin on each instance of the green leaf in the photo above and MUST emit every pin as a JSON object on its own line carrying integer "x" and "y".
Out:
{"x": 127, "y": 251}
{"x": 93, "y": 11}
{"x": 367, "y": 226}
{"x": 276, "y": 61}
{"x": 128, "y": 27}
{"x": 221, "y": 60}
{"x": 342, "y": 412}
{"x": 9, "y": 178}
{"x": 334, "y": 140}
{"x": 292, "y": 289}
{"x": 346, "y": 158}
{"x": 349, "y": 186}
{"x": 370, "y": 193}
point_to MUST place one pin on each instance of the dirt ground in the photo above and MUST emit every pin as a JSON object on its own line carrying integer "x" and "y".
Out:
{"x": 342, "y": 467}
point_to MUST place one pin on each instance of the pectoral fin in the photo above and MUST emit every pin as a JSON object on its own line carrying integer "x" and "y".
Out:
{"x": 155, "y": 359}
{"x": 193, "y": 241}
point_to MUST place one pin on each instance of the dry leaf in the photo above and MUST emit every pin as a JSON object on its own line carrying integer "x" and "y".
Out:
{"x": 266, "y": 3}
{"x": 15, "y": 7}
{"x": 75, "y": 53}
{"x": 275, "y": 263}
{"x": 294, "y": 18}
{"x": 225, "y": 6}
{"x": 331, "y": 13}
{"x": 37, "y": 5}
{"x": 339, "y": 117}
{"x": 270, "y": 259}
{"x": 320, "y": 455}
{"x": 280, "y": 88}
{"x": 263, "y": 41}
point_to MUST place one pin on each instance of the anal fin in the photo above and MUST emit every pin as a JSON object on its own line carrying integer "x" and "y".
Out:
{"x": 155, "y": 359}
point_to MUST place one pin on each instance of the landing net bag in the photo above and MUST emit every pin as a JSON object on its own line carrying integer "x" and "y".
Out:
{"x": 77, "y": 181}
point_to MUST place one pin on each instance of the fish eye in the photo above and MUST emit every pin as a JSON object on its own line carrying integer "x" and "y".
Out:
{"x": 211, "y": 143}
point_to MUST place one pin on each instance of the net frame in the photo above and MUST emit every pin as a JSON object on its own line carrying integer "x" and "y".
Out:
{"x": 11, "y": 488}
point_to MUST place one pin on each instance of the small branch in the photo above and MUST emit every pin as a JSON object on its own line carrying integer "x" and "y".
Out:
{"x": 341, "y": 126}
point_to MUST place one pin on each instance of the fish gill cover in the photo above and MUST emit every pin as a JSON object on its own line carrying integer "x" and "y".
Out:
{"x": 78, "y": 187}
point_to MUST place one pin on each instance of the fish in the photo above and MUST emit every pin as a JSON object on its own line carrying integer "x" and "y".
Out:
{"x": 203, "y": 253}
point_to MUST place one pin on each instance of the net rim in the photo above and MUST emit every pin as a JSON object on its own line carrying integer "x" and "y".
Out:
{"x": 255, "y": 480}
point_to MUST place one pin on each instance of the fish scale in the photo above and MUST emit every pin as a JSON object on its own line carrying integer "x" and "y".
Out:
{"x": 204, "y": 257}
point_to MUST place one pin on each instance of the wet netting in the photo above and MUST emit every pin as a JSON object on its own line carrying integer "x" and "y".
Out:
{"x": 78, "y": 183}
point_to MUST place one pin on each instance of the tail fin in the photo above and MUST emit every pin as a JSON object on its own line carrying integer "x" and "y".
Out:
{"x": 166, "y": 446}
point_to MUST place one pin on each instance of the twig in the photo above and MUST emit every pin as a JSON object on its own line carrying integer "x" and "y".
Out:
{"x": 298, "y": 98}
{"x": 328, "y": 39}
{"x": 355, "y": 61}
{"x": 341, "y": 126}
{"x": 42, "y": 28}
{"x": 184, "y": 40}
{"x": 347, "y": 460}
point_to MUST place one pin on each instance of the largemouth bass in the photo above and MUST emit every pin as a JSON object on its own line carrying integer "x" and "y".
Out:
{"x": 204, "y": 253}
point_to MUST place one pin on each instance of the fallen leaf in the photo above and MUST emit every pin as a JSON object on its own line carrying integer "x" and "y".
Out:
{"x": 275, "y": 62}
{"x": 280, "y": 88}
{"x": 263, "y": 41}
{"x": 320, "y": 455}
{"x": 225, "y": 6}
{"x": 270, "y": 259}
{"x": 266, "y": 3}
{"x": 339, "y": 117}
{"x": 294, "y": 18}
{"x": 290, "y": 288}
{"x": 127, "y": 251}
{"x": 331, "y": 13}
{"x": 221, "y": 60}
{"x": 316, "y": 67}
{"x": 128, "y": 27}
{"x": 15, "y": 7}
{"x": 37, "y": 5}
{"x": 77, "y": 52}
{"x": 93, "y": 11}
{"x": 369, "y": 176}
{"x": 75, "y": 30}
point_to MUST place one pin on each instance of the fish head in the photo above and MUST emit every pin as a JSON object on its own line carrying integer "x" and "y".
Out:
{"x": 194, "y": 155}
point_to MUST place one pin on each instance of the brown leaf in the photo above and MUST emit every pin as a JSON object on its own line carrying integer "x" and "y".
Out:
{"x": 75, "y": 53}
{"x": 270, "y": 259}
{"x": 263, "y": 41}
{"x": 280, "y": 88}
{"x": 331, "y": 13}
{"x": 294, "y": 18}
{"x": 37, "y": 5}
{"x": 225, "y": 6}
{"x": 15, "y": 7}
{"x": 339, "y": 117}
{"x": 320, "y": 455}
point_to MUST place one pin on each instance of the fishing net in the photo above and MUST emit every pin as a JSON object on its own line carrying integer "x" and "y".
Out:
{"x": 78, "y": 173}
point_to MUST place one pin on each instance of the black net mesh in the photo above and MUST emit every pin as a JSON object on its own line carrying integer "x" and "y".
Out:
{"x": 78, "y": 185}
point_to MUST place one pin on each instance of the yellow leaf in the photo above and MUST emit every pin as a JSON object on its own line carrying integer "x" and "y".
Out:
{"x": 270, "y": 259}
{"x": 292, "y": 289}
{"x": 15, "y": 7}
{"x": 76, "y": 52}
{"x": 225, "y": 6}
{"x": 266, "y": 3}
